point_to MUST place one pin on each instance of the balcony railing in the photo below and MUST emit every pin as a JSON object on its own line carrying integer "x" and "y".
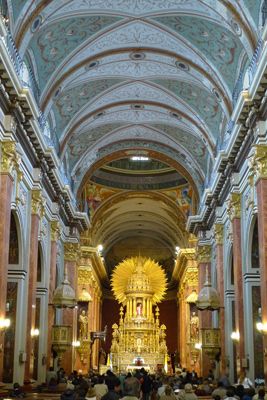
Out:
{"x": 255, "y": 60}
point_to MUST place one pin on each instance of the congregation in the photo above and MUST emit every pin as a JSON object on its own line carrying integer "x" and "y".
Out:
{"x": 183, "y": 385}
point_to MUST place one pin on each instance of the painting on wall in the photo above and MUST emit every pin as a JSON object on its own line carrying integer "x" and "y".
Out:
{"x": 95, "y": 195}
{"x": 182, "y": 196}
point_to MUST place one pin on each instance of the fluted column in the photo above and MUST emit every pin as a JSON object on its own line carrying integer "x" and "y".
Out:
{"x": 10, "y": 160}
{"x": 258, "y": 166}
{"x": 218, "y": 238}
{"x": 234, "y": 213}
{"x": 37, "y": 212}
{"x": 55, "y": 237}
{"x": 205, "y": 317}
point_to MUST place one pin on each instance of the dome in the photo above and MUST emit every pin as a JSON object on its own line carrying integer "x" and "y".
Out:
{"x": 64, "y": 295}
{"x": 208, "y": 297}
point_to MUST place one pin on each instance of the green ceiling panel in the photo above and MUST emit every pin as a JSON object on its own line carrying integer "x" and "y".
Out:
{"x": 220, "y": 46}
{"x": 200, "y": 100}
{"x": 70, "y": 101}
{"x": 194, "y": 145}
{"x": 54, "y": 43}
{"x": 77, "y": 146}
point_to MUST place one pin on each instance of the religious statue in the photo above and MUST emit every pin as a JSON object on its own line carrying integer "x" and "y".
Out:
{"x": 139, "y": 309}
{"x": 83, "y": 325}
{"x": 102, "y": 356}
{"x": 194, "y": 323}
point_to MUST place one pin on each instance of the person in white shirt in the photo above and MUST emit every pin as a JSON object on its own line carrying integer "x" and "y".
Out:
{"x": 244, "y": 381}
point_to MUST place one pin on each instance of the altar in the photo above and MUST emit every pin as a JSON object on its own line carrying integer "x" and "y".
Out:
{"x": 139, "y": 339}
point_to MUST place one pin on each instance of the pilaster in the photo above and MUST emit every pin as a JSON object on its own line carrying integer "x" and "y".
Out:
{"x": 10, "y": 160}
{"x": 258, "y": 167}
{"x": 55, "y": 237}
{"x": 233, "y": 205}
{"x": 217, "y": 233}
{"x": 203, "y": 257}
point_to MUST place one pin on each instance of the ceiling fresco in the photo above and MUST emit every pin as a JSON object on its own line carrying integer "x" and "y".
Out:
{"x": 137, "y": 78}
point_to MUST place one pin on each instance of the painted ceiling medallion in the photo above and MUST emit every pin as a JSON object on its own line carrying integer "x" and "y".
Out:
{"x": 100, "y": 114}
{"x": 137, "y": 56}
{"x": 36, "y": 24}
{"x": 92, "y": 65}
{"x": 182, "y": 65}
{"x": 137, "y": 106}
{"x": 175, "y": 115}
{"x": 56, "y": 93}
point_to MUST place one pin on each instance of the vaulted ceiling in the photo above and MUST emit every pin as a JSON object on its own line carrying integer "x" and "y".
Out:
{"x": 123, "y": 78}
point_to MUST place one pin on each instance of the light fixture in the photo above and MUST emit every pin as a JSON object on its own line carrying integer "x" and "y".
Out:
{"x": 260, "y": 327}
{"x": 235, "y": 336}
{"x": 100, "y": 248}
{"x": 139, "y": 158}
{"x": 198, "y": 346}
{"x": 4, "y": 324}
{"x": 34, "y": 333}
{"x": 177, "y": 250}
{"x": 76, "y": 344}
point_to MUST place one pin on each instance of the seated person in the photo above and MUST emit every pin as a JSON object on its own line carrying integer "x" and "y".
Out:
{"x": 17, "y": 392}
{"x": 200, "y": 391}
{"x": 250, "y": 394}
{"x": 52, "y": 384}
{"x": 168, "y": 394}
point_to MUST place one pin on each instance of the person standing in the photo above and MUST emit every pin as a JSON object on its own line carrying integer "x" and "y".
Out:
{"x": 225, "y": 380}
{"x": 146, "y": 385}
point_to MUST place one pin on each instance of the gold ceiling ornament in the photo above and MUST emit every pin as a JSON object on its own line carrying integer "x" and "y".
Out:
{"x": 138, "y": 275}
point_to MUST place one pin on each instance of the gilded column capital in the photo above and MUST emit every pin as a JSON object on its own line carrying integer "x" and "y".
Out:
{"x": 10, "y": 158}
{"x": 217, "y": 233}
{"x": 203, "y": 254}
{"x": 233, "y": 205}
{"x": 55, "y": 231}
{"x": 85, "y": 275}
{"x": 38, "y": 203}
{"x": 71, "y": 251}
{"x": 258, "y": 162}
{"x": 191, "y": 277}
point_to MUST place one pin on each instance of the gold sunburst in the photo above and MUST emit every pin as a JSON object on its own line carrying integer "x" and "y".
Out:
{"x": 127, "y": 268}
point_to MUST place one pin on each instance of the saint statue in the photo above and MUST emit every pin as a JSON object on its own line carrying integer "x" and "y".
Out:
{"x": 194, "y": 323}
{"x": 83, "y": 325}
{"x": 139, "y": 309}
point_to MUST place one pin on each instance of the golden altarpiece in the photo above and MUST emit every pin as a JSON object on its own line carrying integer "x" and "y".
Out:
{"x": 139, "y": 340}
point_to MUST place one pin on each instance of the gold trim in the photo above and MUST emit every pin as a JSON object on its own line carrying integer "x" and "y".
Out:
{"x": 203, "y": 254}
{"x": 233, "y": 205}
{"x": 38, "y": 203}
{"x": 71, "y": 251}
{"x": 217, "y": 233}
{"x": 10, "y": 158}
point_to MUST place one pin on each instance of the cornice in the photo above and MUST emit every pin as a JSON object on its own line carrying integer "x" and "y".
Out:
{"x": 180, "y": 265}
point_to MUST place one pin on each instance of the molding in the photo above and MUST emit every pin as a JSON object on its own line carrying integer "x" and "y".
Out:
{"x": 230, "y": 294}
{"x": 41, "y": 291}
{"x": 252, "y": 277}
{"x": 258, "y": 163}
{"x": 10, "y": 158}
{"x": 16, "y": 274}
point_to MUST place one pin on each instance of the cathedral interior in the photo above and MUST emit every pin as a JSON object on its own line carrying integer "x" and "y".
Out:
{"x": 133, "y": 170}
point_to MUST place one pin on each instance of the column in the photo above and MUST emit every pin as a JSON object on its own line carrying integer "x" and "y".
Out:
{"x": 55, "y": 237}
{"x": 37, "y": 212}
{"x": 71, "y": 258}
{"x": 258, "y": 164}
{"x": 234, "y": 213}
{"x": 218, "y": 237}
{"x": 205, "y": 317}
{"x": 10, "y": 160}
{"x": 147, "y": 311}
